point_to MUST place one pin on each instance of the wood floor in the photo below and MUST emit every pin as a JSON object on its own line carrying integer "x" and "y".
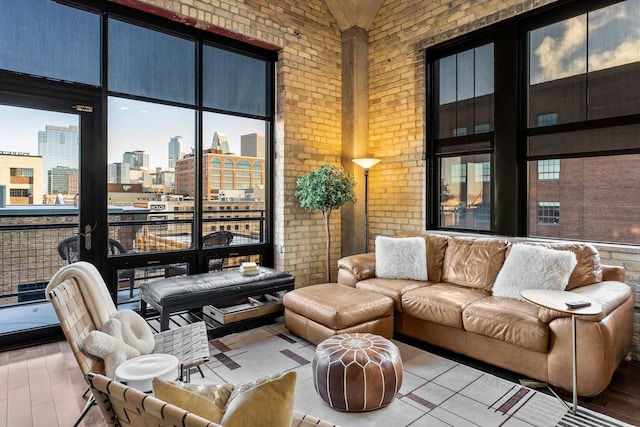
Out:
{"x": 42, "y": 386}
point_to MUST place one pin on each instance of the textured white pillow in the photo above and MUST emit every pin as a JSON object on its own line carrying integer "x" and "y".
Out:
{"x": 401, "y": 258}
{"x": 533, "y": 267}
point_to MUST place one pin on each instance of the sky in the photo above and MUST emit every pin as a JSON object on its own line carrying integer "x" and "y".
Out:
{"x": 605, "y": 38}
{"x": 133, "y": 125}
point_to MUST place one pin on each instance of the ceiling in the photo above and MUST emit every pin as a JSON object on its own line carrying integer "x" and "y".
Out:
{"x": 354, "y": 13}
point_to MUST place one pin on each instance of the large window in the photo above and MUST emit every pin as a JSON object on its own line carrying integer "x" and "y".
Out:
{"x": 463, "y": 108}
{"x": 165, "y": 138}
{"x": 586, "y": 70}
{"x": 175, "y": 122}
{"x": 564, "y": 116}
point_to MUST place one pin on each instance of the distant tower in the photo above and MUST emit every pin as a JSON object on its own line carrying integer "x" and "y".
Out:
{"x": 118, "y": 173}
{"x": 220, "y": 142}
{"x": 252, "y": 145}
{"x": 58, "y": 146}
{"x": 175, "y": 147}
{"x": 136, "y": 159}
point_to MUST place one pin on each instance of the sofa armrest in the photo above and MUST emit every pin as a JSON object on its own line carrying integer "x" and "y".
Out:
{"x": 615, "y": 273}
{"x": 609, "y": 294}
{"x": 353, "y": 268}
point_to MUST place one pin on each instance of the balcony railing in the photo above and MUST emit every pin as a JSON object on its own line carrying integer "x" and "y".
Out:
{"x": 30, "y": 242}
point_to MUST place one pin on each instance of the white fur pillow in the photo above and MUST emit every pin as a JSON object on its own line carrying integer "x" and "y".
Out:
{"x": 108, "y": 345}
{"x": 136, "y": 331}
{"x": 126, "y": 335}
{"x": 533, "y": 267}
{"x": 401, "y": 258}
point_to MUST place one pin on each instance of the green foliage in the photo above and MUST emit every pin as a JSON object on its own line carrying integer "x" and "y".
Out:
{"x": 325, "y": 188}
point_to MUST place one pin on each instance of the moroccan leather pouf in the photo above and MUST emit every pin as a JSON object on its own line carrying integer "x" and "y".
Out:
{"x": 357, "y": 372}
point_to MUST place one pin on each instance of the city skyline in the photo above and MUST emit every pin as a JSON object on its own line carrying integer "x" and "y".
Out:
{"x": 134, "y": 125}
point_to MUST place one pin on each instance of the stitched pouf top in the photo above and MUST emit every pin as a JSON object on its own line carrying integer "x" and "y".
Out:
{"x": 357, "y": 372}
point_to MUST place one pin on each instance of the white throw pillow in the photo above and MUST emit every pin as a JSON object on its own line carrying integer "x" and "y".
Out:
{"x": 136, "y": 331}
{"x": 401, "y": 258}
{"x": 533, "y": 267}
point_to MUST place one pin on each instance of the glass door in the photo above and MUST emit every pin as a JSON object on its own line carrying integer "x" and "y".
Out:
{"x": 44, "y": 220}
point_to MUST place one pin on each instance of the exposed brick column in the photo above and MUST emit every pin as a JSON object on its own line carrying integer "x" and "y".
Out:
{"x": 355, "y": 130}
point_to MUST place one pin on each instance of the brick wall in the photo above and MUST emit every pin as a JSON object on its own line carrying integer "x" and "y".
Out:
{"x": 396, "y": 113}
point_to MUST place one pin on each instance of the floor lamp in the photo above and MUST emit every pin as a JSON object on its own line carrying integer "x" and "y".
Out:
{"x": 366, "y": 164}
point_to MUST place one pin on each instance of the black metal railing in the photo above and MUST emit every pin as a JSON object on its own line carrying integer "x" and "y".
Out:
{"x": 29, "y": 243}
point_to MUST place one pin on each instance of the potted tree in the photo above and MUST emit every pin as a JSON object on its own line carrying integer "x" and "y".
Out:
{"x": 325, "y": 189}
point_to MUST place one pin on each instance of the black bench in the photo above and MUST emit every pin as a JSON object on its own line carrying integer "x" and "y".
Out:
{"x": 197, "y": 290}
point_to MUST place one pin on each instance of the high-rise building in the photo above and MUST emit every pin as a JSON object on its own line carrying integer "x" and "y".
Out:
{"x": 175, "y": 147}
{"x": 118, "y": 173}
{"x": 63, "y": 180}
{"x": 136, "y": 159}
{"x": 220, "y": 142}
{"x": 58, "y": 146}
{"x": 252, "y": 145}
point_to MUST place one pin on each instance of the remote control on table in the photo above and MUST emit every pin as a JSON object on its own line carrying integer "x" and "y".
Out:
{"x": 578, "y": 304}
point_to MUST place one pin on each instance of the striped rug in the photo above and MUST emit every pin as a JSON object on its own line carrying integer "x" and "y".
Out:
{"x": 435, "y": 391}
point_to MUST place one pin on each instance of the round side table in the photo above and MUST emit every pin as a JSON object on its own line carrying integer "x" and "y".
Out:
{"x": 140, "y": 371}
{"x": 357, "y": 372}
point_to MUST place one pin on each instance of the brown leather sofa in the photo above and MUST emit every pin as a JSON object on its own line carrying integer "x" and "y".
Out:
{"x": 455, "y": 309}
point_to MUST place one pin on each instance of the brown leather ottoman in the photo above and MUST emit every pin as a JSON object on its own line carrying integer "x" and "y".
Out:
{"x": 357, "y": 372}
{"x": 319, "y": 311}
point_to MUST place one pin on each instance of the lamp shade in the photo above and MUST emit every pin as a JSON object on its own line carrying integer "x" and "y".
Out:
{"x": 366, "y": 163}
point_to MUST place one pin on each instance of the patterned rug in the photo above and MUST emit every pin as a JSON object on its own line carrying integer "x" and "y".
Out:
{"x": 435, "y": 391}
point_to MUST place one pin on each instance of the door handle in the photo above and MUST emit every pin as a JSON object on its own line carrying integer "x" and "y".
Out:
{"x": 87, "y": 235}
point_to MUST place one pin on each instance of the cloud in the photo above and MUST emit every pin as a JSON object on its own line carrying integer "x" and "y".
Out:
{"x": 626, "y": 53}
{"x": 564, "y": 55}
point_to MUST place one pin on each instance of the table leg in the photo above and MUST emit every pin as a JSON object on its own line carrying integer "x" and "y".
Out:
{"x": 575, "y": 364}
{"x": 164, "y": 319}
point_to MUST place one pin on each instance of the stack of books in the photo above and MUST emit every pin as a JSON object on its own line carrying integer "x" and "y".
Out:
{"x": 249, "y": 269}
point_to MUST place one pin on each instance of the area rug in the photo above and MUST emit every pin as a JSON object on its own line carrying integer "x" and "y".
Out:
{"x": 435, "y": 391}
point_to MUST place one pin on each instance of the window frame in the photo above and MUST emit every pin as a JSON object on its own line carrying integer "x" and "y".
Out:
{"x": 510, "y": 215}
{"x": 22, "y": 83}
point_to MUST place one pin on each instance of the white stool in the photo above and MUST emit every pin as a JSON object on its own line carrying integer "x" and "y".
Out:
{"x": 139, "y": 371}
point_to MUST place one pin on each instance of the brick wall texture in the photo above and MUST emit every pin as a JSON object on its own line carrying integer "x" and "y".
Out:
{"x": 308, "y": 128}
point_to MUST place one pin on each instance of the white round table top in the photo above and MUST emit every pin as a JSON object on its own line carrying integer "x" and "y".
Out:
{"x": 556, "y": 300}
{"x": 139, "y": 371}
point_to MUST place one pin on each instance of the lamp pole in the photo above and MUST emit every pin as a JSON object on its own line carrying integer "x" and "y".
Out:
{"x": 366, "y": 164}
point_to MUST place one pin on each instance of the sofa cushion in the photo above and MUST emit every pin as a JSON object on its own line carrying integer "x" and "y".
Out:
{"x": 509, "y": 320}
{"x": 588, "y": 270}
{"x": 391, "y": 288}
{"x": 441, "y": 303}
{"x": 401, "y": 258}
{"x": 533, "y": 267}
{"x": 436, "y": 247}
{"x": 473, "y": 262}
